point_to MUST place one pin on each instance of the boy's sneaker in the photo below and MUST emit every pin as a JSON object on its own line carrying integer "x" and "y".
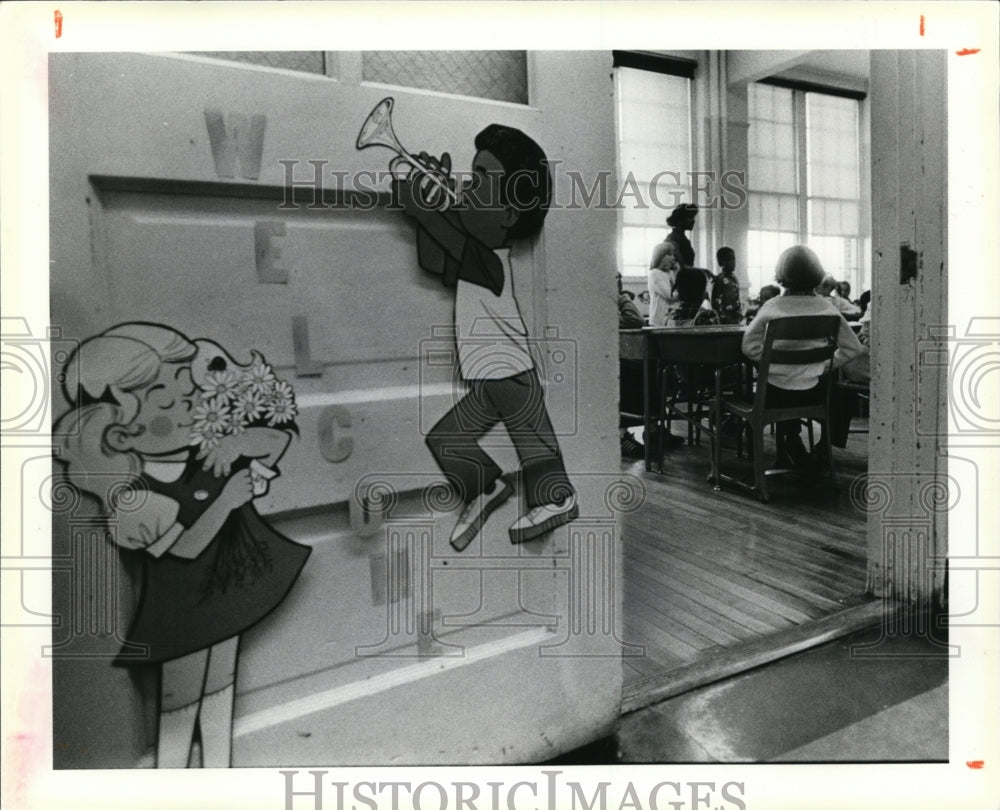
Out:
{"x": 631, "y": 448}
{"x": 475, "y": 512}
{"x": 543, "y": 519}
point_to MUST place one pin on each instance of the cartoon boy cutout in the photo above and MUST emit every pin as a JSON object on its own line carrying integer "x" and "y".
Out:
{"x": 467, "y": 245}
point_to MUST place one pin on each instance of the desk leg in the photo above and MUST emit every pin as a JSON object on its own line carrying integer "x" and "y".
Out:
{"x": 662, "y": 414}
{"x": 646, "y": 432}
{"x": 716, "y": 432}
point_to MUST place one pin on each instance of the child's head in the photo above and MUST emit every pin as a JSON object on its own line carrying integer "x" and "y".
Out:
{"x": 726, "y": 257}
{"x": 769, "y": 291}
{"x": 669, "y": 260}
{"x": 799, "y": 269}
{"x": 827, "y": 285}
{"x": 690, "y": 284}
{"x": 706, "y": 317}
{"x": 844, "y": 290}
{"x": 133, "y": 399}
{"x": 512, "y": 189}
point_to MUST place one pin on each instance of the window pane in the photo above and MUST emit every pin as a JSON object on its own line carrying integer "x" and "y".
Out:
{"x": 499, "y": 75}
{"x": 832, "y": 154}
{"x": 653, "y": 116}
{"x": 763, "y": 248}
{"x": 840, "y": 256}
{"x": 772, "y": 163}
{"x": 834, "y": 217}
{"x": 636, "y": 249}
{"x": 301, "y": 61}
{"x": 832, "y": 178}
{"x": 639, "y": 203}
{"x": 654, "y": 124}
{"x": 774, "y": 211}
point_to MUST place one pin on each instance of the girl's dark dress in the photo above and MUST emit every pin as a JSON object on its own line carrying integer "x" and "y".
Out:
{"x": 685, "y": 250}
{"x": 240, "y": 577}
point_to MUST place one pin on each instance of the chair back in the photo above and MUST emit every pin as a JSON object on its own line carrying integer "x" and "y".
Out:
{"x": 820, "y": 330}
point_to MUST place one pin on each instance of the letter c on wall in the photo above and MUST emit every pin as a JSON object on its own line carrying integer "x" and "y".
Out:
{"x": 335, "y": 442}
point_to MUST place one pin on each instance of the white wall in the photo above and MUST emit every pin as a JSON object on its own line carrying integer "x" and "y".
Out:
{"x": 909, "y": 395}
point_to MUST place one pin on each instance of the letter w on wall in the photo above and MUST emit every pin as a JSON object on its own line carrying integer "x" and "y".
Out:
{"x": 236, "y": 139}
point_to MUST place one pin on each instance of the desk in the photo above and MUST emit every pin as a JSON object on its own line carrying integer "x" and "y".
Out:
{"x": 712, "y": 346}
{"x": 717, "y": 346}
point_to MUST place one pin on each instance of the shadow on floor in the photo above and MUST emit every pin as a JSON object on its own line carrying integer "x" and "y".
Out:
{"x": 868, "y": 697}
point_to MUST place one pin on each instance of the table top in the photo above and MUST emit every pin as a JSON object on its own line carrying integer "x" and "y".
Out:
{"x": 720, "y": 344}
{"x": 694, "y": 331}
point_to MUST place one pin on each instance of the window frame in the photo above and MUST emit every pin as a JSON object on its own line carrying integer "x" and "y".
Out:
{"x": 663, "y": 64}
{"x": 857, "y": 242}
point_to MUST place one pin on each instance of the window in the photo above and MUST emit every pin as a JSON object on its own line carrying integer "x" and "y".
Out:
{"x": 653, "y": 115}
{"x": 299, "y": 61}
{"x": 804, "y": 180}
{"x": 497, "y": 75}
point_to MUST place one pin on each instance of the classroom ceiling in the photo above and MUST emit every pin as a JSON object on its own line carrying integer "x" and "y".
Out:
{"x": 844, "y": 63}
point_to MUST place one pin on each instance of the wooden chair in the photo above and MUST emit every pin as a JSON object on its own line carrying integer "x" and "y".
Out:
{"x": 680, "y": 387}
{"x": 820, "y": 329}
{"x": 860, "y": 395}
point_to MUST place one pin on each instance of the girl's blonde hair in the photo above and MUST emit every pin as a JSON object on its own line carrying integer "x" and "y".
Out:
{"x": 107, "y": 370}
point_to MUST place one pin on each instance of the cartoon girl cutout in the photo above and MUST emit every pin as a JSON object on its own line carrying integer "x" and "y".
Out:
{"x": 194, "y": 438}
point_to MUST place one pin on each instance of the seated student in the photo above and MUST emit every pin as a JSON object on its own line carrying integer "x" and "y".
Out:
{"x": 629, "y": 316}
{"x": 630, "y": 381}
{"x": 691, "y": 310}
{"x": 690, "y": 285}
{"x": 865, "y": 300}
{"x": 859, "y": 370}
{"x": 767, "y": 292}
{"x": 630, "y": 384}
{"x": 661, "y": 281}
{"x": 843, "y": 403}
{"x": 726, "y": 289}
{"x": 663, "y": 301}
{"x": 844, "y": 291}
{"x": 706, "y": 317}
{"x": 799, "y": 271}
{"x": 827, "y": 288}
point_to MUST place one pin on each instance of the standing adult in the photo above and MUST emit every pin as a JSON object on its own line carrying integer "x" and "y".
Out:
{"x": 681, "y": 220}
{"x": 669, "y": 300}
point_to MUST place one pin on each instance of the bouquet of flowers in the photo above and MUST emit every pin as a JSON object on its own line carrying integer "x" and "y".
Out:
{"x": 235, "y": 398}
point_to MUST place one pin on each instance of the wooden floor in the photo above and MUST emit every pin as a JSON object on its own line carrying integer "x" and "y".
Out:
{"x": 707, "y": 572}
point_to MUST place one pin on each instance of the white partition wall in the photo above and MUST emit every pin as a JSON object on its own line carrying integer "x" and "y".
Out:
{"x": 907, "y": 531}
{"x": 172, "y": 202}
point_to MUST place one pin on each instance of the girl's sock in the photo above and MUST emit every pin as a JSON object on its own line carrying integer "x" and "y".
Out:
{"x": 216, "y": 725}
{"x": 176, "y": 731}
